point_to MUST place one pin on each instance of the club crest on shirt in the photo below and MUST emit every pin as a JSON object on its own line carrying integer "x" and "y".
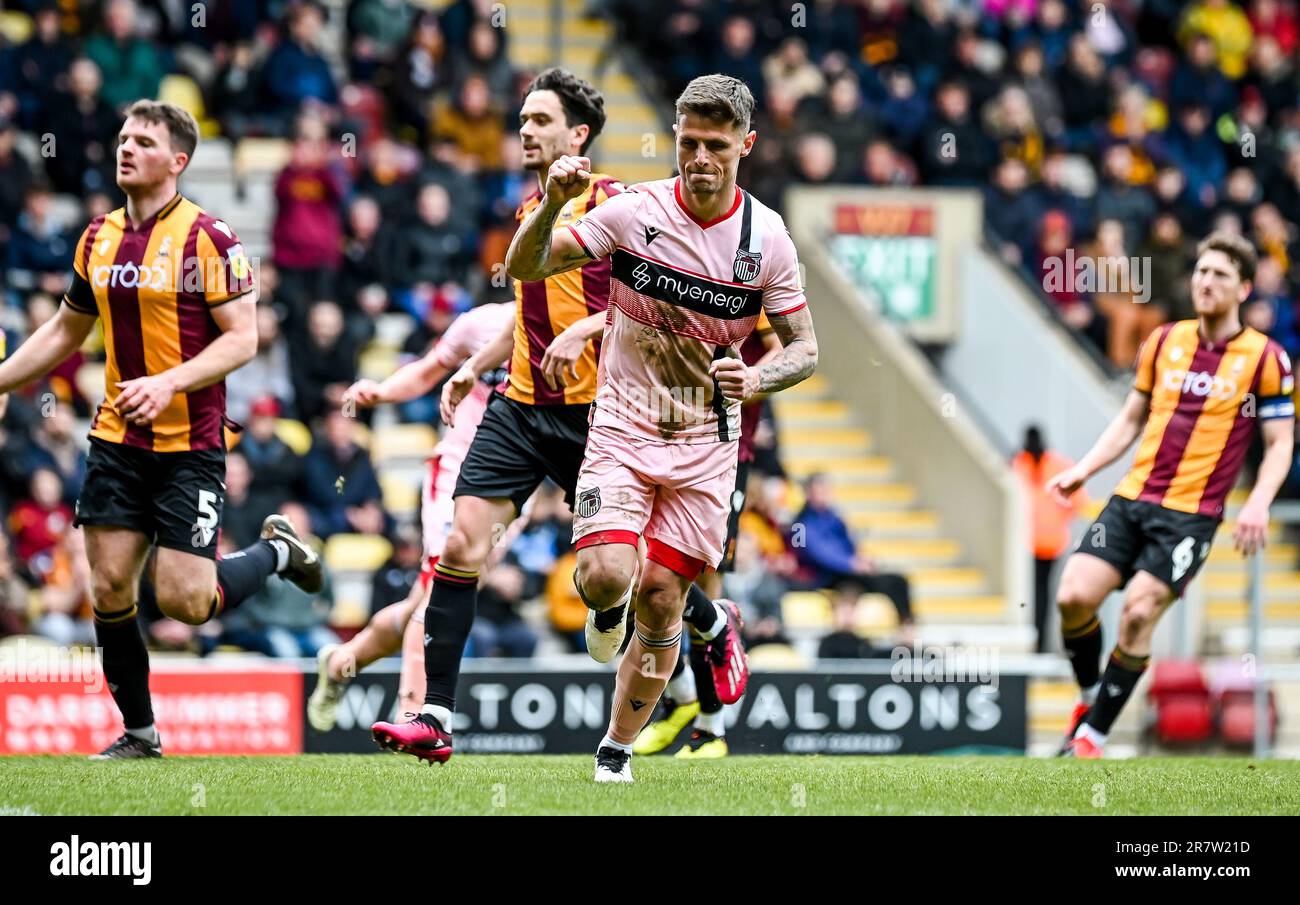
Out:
{"x": 588, "y": 502}
{"x": 746, "y": 265}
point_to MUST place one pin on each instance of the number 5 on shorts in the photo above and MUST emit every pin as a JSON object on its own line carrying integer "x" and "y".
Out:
{"x": 206, "y": 524}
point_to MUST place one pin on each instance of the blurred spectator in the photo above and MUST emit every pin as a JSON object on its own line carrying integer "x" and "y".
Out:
{"x": 1199, "y": 80}
{"x": 135, "y": 66}
{"x": 1044, "y": 98}
{"x": 61, "y": 382}
{"x": 1011, "y": 210}
{"x": 825, "y": 549}
{"x": 56, "y": 446}
{"x": 738, "y": 57}
{"x": 1272, "y": 310}
{"x": 325, "y": 363}
{"x": 905, "y": 110}
{"x": 341, "y": 489}
{"x": 545, "y": 537}
{"x": 884, "y": 166}
{"x": 16, "y": 180}
{"x": 473, "y": 124}
{"x": 1084, "y": 93}
{"x": 1009, "y": 121}
{"x": 38, "y": 523}
{"x": 1129, "y": 319}
{"x": 499, "y": 630}
{"x": 366, "y": 256}
{"x": 395, "y": 578}
{"x": 1119, "y": 199}
{"x": 565, "y": 611}
{"x": 268, "y": 374}
{"x": 31, "y": 70}
{"x": 1277, "y": 21}
{"x": 422, "y": 69}
{"x": 1168, "y": 250}
{"x": 308, "y": 231}
{"x": 1049, "y": 521}
{"x": 1224, "y": 24}
{"x": 953, "y": 150}
{"x": 297, "y": 72}
{"x": 755, "y": 590}
{"x": 485, "y": 56}
{"x": 40, "y": 247}
{"x": 241, "y": 518}
{"x": 378, "y": 28}
{"x": 275, "y": 467}
{"x": 847, "y": 123}
{"x": 65, "y": 595}
{"x": 815, "y": 159}
{"x": 13, "y": 593}
{"x": 282, "y": 620}
{"x": 790, "y": 66}
{"x": 431, "y": 249}
{"x": 843, "y": 642}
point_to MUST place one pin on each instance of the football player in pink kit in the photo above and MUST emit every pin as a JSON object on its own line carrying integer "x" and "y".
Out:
{"x": 694, "y": 261}
{"x": 384, "y": 634}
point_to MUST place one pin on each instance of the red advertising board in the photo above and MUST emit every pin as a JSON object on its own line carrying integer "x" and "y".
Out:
{"x": 199, "y": 711}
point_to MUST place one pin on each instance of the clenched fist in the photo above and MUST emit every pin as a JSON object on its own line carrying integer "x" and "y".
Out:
{"x": 567, "y": 178}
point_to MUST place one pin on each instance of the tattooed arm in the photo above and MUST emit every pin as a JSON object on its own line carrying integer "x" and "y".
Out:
{"x": 794, "y": 363}
{"x": 538, "y": 250}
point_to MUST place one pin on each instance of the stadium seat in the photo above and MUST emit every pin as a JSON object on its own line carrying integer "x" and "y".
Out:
{"x": 377, "y": 362}
{"x": 1234, "y": 694}
{"x": 401, "y": 496}
{"x": 805, "y": 610}
{"x": 295, "y": 434}
{"x": 403, "y": 441}
{"x": 356, "y": 552}
{"x": 182, "y": 91}
{"x": 1181, "y": 701}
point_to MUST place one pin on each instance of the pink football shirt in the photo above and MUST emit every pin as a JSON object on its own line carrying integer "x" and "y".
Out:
{"x": 467, "y": 334}
{"x": 683, "y": 293}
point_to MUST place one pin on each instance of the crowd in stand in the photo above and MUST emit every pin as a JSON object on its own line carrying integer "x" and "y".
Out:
{"x": 1114, "y": 129}
{"x": 1118, "y": 128}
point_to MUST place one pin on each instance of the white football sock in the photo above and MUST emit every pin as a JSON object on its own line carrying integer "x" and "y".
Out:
{"x": 718, "y": 624}
{"x": 439, "y": 713}
{"x": 148, "y": 733}
{"x": 713, "y": 723}
{"x": 682, "y": 689}
{"x": 608, "y": 742}
{"x": 1091, "y": 734}
{"x": 281, "y": 554}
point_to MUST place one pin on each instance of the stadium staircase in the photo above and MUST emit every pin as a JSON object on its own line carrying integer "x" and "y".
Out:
{"x": 818, "y": 433}
{"x": 635, "y": 146}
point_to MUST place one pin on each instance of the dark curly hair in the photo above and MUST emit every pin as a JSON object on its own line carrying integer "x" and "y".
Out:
{"x": 583, "y": 104}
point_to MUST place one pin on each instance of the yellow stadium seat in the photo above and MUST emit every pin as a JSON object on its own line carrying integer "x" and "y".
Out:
{"x": 295, "y": 435}
{"x": 377, "y": 362}
{"x": 403, "y": 441}
{"x": 357, "y": 552}
{"x": 401, "y": 496}
{"x": 261, "y": 155}
{"x": 16, "y": 27}
{"x": 775, "y": 656}
{"x": 806, "y": 609}
{"x": 349, "y": 614}
{"x": 182, "y": 91}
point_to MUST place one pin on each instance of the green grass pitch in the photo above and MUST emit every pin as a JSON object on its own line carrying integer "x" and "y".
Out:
{"x": 776, "y": 785}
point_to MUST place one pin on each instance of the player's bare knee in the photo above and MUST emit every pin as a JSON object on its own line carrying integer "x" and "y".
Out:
{"x": 190, "y": 605}
{"x": 463, "y": 550}
{"x": 1075, "y": 600}
{"x": 603, "y": 580}
{"x": 111, "y": 591}
{"x": 659, "y": 605}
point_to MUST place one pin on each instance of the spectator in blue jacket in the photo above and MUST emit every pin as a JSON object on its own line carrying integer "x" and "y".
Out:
{"x": 297, "y": 71}
{"x": 825, "y": 550}
{"x": 342, "y": 490}
{"x": 1196, "y": 150}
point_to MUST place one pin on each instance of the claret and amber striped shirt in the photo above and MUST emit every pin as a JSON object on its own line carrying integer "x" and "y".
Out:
{"x": 153, "y": 286}
{"x": 1206, "y": 400}
{"x": 546, "y": 308}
